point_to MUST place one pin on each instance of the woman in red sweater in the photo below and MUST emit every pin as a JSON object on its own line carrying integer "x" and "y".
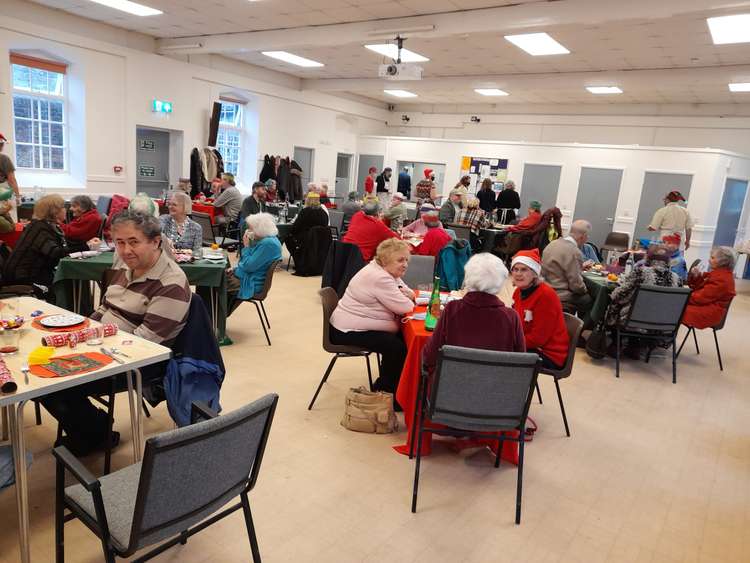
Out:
{"x": 85, "y": 225}
{"x": 712, "y": 291}
{"x": 540, "y": 310}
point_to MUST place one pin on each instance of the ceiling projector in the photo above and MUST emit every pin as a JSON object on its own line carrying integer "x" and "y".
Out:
{"x": 400, "y": 71}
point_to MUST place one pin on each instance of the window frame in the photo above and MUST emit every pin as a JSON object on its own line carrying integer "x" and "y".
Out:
{"x": 240, "y": 130}
{"x": 31, "y": 95}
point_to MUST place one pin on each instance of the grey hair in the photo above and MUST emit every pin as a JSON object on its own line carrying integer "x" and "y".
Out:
{"x": 724, "y": 256}
{"x": 83, "y": 201}
{"x": 485, "y": 272}
{"x": 184, "y": 199}
{"x": 580, "y": 227}
{"x": 262, "y": 225}
{"x": 352, "y": 196}
{"x": 371, "y": 208}
{"x": 144, "y": 222}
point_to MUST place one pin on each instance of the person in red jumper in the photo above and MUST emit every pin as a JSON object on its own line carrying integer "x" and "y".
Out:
{"x": 85, "y": 225}
{"x": 370, "y": 180}
{"x": 712, "y": 291}
{"x": 540, "y": 310}
{"x": 436, "y": 236}
{"x": 367, "y": 231}
{"x": 529, "y": 222}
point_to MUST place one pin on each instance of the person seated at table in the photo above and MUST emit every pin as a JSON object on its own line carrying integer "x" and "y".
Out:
{"x": 40, "y": 246}
{"x": 311, "y": 215}
{"x": 677, "y": 258}
{"x": 148, "y": 296}
{"x": 480, "y": 319}
{"x": 142, "y": 203}
{"x": 255, "y": 202}
{"x": 323, "y": 192}
{"x": 369, "y": 313}
{"x": 454, "y": 204}
{"x": 366, "y": 230}
{"x": 712, "y": 291}
{"x": 85, "y": 225}
{"x": 473, "y": 217}
{"x": 229, "y": 201}
{"x": 179, "y": 229}
{"x": 540, "y": 310}
{"x": 7, "y": 223}
{"x": 273, "y": 194}
{"x": 436, "y": 237}
{"x": 589, "y": 254}
{"x": 396, "y": 212}
{"x": 351, "y": 206}
{"x": 428, "y": 213}
{"x": 507, "y": 202}
{"x": 529, "y": 222}
{"x": 562, "y": 263}
{"x": 261, "y": 247}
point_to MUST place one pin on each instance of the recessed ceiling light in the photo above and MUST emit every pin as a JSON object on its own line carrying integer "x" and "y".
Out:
{"x": 537, "y": 44}
{"x": 400, "y": 93}
{"x": 739, "y": 87}
{"x": 129, "y": 7}
{"x": 604, "y": 89}
{"x": 730, "y": 29}
{"x": 391, "y": 50}
{"x": 292, "y": 59}
{"x": 490, "y": 92}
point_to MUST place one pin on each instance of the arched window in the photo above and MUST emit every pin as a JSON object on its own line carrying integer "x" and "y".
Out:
{"x": 229, "y": 139}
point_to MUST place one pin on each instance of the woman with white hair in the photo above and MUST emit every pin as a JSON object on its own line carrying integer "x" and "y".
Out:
{"x": 178, "y": 228}
{"x": 261, "y": 247}
{"x": 142, "y": 203}
{"x": 480, "y": 319}
{"x": 712, "y": 291}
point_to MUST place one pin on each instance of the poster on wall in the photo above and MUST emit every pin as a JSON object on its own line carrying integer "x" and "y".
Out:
{"x": 480, "y": 168}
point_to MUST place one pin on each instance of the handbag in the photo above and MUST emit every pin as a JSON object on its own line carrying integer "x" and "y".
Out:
{"x": 369, "y": 411}
{"x": 597, "y": 343}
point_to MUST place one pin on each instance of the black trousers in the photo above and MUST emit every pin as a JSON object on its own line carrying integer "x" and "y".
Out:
{"x": 389, "y": 345}
{"x": 546, "y": 362}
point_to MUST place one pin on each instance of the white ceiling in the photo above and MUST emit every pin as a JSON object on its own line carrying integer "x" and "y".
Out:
{"x": 601, "y": 53}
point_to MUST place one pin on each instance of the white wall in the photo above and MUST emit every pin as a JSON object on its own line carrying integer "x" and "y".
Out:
{"x": 708, "y": 167}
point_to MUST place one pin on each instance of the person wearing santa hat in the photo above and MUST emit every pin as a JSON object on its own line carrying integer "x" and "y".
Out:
{"x": 540, "y": 310}
{"x": 677, "y": 260}
{"x": 426, "y": 188}
{"x": 673, "y": 218}
{"x": 7, "y": 169}
{"x": 428, "y": 217}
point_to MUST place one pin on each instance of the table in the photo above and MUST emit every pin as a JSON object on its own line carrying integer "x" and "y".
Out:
{"x": 489, "y": 236}
{"x": 415, "y": 337}
{"x": 209, "y": 277}
{"x": 141, "y": 352}
{"x": 284, "y": 230}
{"x": 599, "y": 289}
{"x": 12, "y": 237}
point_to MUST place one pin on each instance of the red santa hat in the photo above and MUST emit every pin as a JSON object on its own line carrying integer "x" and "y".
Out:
{"x": 427, "y": 172}
{"x": 530, "y": 259}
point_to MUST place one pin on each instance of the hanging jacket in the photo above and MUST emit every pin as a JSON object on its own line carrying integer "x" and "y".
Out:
{"x": 295, "y": 182}
{"x": 196, "y": 371}
{"x": 119, "y": 203}
{"x": 451, "y": 263}
{"x": 219, "y": 163}
{"x": 267, "y": 172}
{"x": 196, "y": 173}
{"x": 344, "y": 260}
{"x": 310, "y": 256}
{"x": 283, "y": 177}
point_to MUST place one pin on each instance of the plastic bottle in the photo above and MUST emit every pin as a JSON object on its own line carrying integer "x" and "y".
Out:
{"x": 630, "y": 264}
{"x": 433, "y": 307}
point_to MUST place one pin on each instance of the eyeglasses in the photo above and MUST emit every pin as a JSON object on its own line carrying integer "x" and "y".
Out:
{"x": 519, "y": 270}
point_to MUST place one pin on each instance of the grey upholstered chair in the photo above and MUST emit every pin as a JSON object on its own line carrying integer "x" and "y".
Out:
{"x": 462, "y": 232}
{"x": 421, "y": 270}
{"x": 655, "y": 315}
{"x": 336, "y": 219}
{"x": 329, "y": 299}
{"x": 186, "y": 476}
{"x": 478, "y": 393}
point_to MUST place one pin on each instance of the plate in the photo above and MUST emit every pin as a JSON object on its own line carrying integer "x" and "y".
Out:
{"x": 61, "y": 321}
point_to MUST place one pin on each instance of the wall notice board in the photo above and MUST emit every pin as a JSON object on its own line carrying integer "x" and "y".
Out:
{"x": 480, "y": 168}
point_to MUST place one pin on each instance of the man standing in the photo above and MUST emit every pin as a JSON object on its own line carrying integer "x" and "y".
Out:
{"x": 673, "y": 219}
{"x": 562, "y": 263}
{"x": 381, "y": 187}
{"x": 404, "y": 183}
{"x": 7, "y": 169}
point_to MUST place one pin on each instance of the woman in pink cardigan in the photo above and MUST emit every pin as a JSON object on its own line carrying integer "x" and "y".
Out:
{"x": 369, "y": 313}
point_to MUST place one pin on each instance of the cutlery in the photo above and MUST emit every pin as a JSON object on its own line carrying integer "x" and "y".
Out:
{"x": 25, "y": 370}
{"x": 111, "y": 355}
{"x": 118, "y": 352}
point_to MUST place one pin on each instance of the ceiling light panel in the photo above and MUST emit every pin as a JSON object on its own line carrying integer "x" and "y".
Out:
{"x": 391, "y": 50}
{"x": 292, "y": 59}
{"x": 537, "y": 44}
{"x": 129, "y": 7}
{"x": 730, "y": 29}
{"x": 400, "y": 93}
{"x": 490, "y": 92}
{"x": 604, "y": 89}
{"x": 739, "y": 87}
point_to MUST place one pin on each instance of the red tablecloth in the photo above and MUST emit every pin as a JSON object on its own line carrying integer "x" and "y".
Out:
{"x": 208, "y": 209}
{"x": 415, "y": 337}
{"x": 12, "y": 238}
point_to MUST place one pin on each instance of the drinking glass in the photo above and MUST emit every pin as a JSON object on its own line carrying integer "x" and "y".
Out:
{"x": 94, "y": 336}
{"x": 9, "y": 340}
{"x": 10, "y": 308}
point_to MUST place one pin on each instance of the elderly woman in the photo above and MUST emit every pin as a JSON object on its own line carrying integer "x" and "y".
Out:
{"x": 486, "y": 196}
{"x": 370, "y": 311}
{"x": 85, "y": 225}
{"x": 272, "y": 191}
{"x": 40, "y": 247}
{"x": 507, "y": 202}
{"x": 480, "y": 319}
{"x": 475, "y": 218}
{"x": 181, "y": 231}
{"x": 142, "y": 203}
{"x": 312, "y": 215}
{"x": 428, "y": 217}
{"x": 261, "y": 249}
{"x": 351, "y": 206}
{"x": 540, "y": 310}
{"x": 712, "y": 291}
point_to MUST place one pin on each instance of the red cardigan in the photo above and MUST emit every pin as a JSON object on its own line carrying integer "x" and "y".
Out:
{"x": 479, "y": 320}
{"x": 367, "y": 232}
{"x": 527, "y": 223}
{"x": 434, "y": 241}
{"x": 709, "y": 299}
{"x": 543, "y": 322}
{"x": 84, "y": 227}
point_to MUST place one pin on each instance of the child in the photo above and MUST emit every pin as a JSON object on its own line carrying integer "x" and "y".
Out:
{"x": 677, "y": 260}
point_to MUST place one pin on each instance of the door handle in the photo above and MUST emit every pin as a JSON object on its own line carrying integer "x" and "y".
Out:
{"x": 610, "y": 219}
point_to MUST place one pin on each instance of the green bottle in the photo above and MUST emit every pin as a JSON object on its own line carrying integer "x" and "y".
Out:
{"x": 433, "y": 307}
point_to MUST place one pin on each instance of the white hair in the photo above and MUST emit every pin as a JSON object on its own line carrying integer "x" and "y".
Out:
{"x": 262, "y": 225}
{"x": 581, "y": 227}
{"x": 485, "y": 272}
{"x": 724, "y": 256}
{"x": 183, "y": 199}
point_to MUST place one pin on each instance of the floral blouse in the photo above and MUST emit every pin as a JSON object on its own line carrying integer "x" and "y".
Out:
{"x": 188, "y": 235}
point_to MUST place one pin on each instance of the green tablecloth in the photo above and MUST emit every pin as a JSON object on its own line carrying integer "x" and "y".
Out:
{"x": 209, "y": 277}
{"x": 599, "y": 289}
{"x": 488, "y": 237}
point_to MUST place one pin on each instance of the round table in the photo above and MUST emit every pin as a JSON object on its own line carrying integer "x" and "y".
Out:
{"x": 599, "y": 288}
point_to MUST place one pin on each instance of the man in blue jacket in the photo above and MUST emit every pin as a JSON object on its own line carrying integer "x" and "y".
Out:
{"x": 404, "y": 183}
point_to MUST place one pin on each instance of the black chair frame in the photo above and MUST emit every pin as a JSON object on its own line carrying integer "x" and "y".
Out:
{"x": 714, "y": 329}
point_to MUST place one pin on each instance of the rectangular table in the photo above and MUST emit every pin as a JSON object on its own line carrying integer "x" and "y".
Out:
{"x": 599, "y": 289}
{"x": 141, "y": 352}
{"x": 209, "y": 277}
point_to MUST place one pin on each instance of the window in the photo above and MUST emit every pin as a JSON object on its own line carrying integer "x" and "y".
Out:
{"x": 230, "y": 135}
{"x": 39, "y": 113}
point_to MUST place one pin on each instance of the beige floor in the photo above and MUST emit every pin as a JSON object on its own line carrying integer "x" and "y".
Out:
{"x": 653, "y": 471}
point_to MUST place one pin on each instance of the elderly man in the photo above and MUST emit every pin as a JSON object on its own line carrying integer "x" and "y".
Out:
{"x": 453, "y": 205}
{"x": 562, "y": 263}
{"x": 229, "y": 200}
{"x": 396, "y": 212}
{"x": 672, "y": 218}
{"x": 367, "y": 231}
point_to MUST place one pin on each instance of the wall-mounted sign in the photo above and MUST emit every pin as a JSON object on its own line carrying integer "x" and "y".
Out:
{"x": 147, "y": 145}
{"x": 147, "y": 171}
{"x": 161, "y": 106}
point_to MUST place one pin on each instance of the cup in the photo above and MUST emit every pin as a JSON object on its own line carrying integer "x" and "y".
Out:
{"x": 9, "y": 341}
{"x": 10, "y": 308}
{"x": 94, "y": 335}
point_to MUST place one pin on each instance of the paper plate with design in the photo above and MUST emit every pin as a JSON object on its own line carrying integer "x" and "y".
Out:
{"x": 61, "y": 321}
